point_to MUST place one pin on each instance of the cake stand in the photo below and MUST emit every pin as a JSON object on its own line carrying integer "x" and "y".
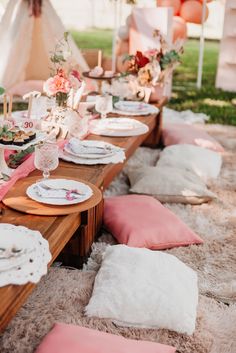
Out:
{"x": 99, "y": 79}
{"x": 4, "y": 169}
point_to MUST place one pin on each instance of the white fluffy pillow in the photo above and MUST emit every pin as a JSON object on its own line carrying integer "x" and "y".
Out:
{"x": 169, "y": 184}
{"x": 205, "y": 163}
{"x": 144, "y": 288}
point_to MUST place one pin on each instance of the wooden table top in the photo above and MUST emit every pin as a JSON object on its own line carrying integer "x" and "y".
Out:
{"x": 59, "y": 230}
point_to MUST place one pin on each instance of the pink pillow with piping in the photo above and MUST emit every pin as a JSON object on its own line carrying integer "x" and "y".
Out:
{"x": 141, "y": 221}
{"x": 22, "y": 88}
{"x": 74, "y": 339}
{"x": 176, "y": 134}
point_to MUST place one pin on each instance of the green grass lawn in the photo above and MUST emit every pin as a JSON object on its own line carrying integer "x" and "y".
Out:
{"x": 209, "y": 100}
{"x": 93, "y": 39}
{"x": 214, "y": 102}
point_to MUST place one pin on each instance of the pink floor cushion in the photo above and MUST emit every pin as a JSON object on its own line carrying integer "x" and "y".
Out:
{"x": 22, "y": 88}
{"x": 142, "y": 221}
{"x": 74, "y": 339}
{"x": 176, "y": 134}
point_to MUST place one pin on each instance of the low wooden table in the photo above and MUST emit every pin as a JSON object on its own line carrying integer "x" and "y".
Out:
{"x": 82, "y": 227}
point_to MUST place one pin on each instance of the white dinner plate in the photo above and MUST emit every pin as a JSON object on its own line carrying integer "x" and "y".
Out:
{"x": 119, "y": 127}
{"x": 60, "y": 184}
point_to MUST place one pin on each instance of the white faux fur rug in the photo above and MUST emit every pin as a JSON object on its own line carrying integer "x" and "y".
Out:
{"x": 63, "y": 294}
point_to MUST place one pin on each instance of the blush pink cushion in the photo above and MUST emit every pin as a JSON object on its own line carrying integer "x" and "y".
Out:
{"x": 22, "y": 88}
{"x": 74, "y": 339}
{"x": 142, "y": 221}
{"x": 176, "y": 134}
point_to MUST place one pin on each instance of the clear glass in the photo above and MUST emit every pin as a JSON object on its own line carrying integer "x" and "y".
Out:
{"x": 46, "y": 158}
{"x": 104, "y": 105}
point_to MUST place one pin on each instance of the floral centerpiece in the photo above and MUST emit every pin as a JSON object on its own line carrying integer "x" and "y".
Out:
{"x": 154, "y": 67}
{"x": 66, "y": 87}
{"x": 149, "y": 70}
{"x": 65, "y": 80}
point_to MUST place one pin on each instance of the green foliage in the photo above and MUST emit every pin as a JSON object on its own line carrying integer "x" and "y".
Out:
{"x": 2, "y": 90}
{"x": 169, "y": 58}
{"x": 66, "y": 35}
{"x": 57, "y": 57}
{"x": 16, "y": 159}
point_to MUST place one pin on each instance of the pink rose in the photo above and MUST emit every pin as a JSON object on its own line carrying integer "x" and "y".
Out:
{"x": 55, "y": 85}
{"x": 151, "y": 52}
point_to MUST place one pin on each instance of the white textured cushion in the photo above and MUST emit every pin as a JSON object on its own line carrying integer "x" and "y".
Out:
{"x": 169, "y": 184}
{"x": 205, "y": 163}
{"x": 144, "y": 288}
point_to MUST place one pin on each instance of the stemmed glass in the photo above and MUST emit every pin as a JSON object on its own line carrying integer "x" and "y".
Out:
{"x": 46, "y": 158}
{"x": 104, "y": 105}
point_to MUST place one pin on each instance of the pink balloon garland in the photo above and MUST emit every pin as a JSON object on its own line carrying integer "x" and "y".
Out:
{"x": 185, "y": 11}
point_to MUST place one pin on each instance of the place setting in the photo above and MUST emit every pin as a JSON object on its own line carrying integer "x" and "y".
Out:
{"x": 91, "y": 152}
{"x": 51, "y": 195}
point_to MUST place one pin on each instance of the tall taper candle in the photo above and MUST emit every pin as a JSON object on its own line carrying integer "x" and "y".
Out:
{"x": 30, "y": 106}
{"x": 100, "y": 58}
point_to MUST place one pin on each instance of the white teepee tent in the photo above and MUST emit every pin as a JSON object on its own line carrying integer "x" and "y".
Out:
{"x": 26, "y": 42}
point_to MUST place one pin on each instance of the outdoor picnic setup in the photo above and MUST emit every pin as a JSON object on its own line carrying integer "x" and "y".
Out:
{"x": 117, "y": 212}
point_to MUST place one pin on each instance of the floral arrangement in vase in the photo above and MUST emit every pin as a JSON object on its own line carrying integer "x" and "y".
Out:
{"x": 65, "y": 80}
{"x": 155, "y": 65}
{"x": 66, "y": 87}
{"x": 148, "y": 72}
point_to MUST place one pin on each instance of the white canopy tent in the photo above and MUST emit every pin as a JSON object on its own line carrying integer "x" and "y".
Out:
{"x": 27, "y": 41}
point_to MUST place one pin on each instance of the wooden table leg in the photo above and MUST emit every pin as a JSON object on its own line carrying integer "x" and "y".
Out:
{"x": 154, "y": 139}
{"x": 78, "y": 249}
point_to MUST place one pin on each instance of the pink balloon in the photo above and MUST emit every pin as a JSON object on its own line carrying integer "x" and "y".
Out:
{"x": 170, "y": 3}
{"x": 179, "y": 28}
{"x": 191, "y": 11}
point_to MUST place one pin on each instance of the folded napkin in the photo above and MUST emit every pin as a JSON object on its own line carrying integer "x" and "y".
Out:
{"x": 47, "y": 192}
{"x": 90, "y": 147}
